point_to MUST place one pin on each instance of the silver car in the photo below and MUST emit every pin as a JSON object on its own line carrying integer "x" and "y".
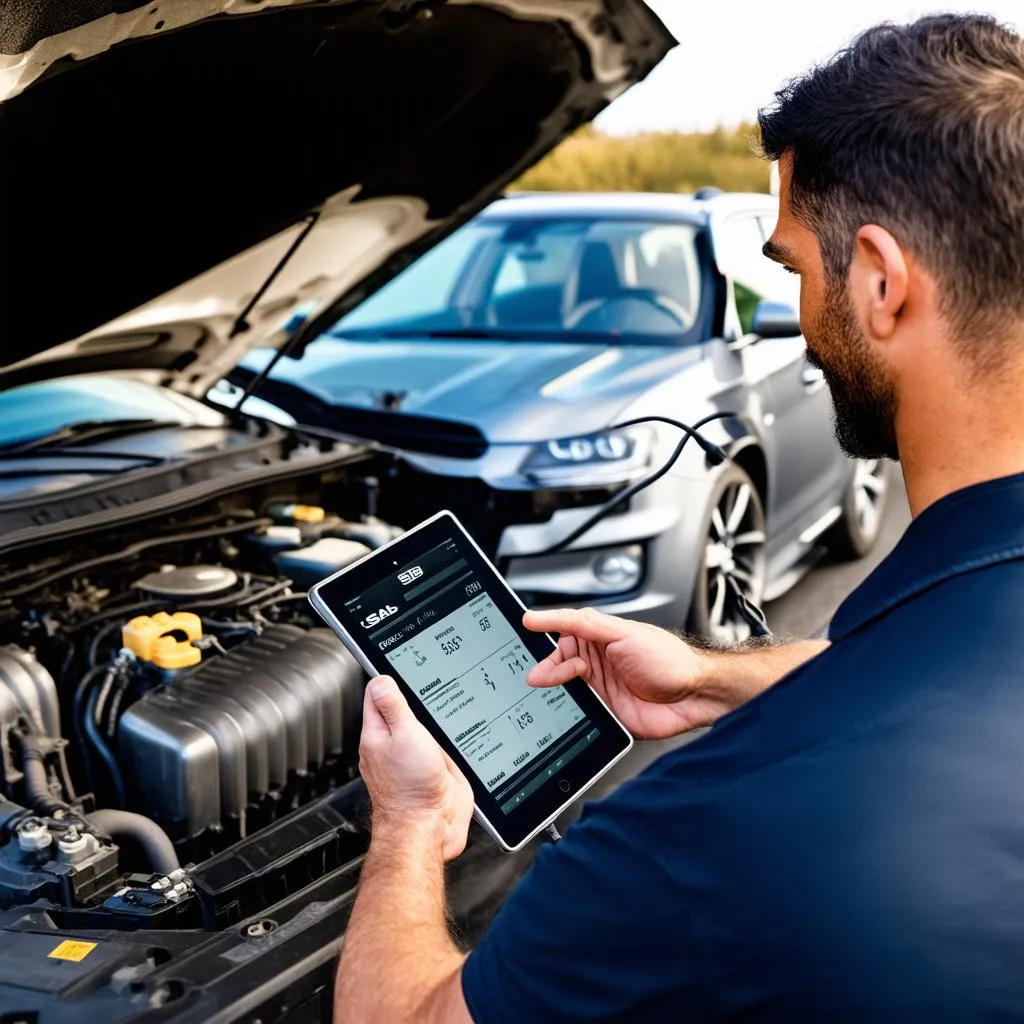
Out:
{"x": 500, "y": 363}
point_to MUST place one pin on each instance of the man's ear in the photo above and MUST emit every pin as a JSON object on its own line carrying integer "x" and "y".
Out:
{"x": 879, "y": 279}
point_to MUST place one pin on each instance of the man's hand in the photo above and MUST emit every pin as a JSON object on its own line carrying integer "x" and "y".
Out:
{"x": 656, "y": 684}
{"x": 412, "y": 781}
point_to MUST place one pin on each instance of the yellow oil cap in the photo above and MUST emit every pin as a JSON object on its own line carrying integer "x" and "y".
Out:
{"x": 164, "y": 640}
{"x": 310, "y": 514}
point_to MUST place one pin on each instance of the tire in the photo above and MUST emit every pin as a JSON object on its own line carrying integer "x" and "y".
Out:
{"x": 864, "y": 503}
{"x": 735, "y": 514}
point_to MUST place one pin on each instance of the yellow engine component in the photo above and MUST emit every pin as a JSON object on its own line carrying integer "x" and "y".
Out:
{"x": 310, "y": 514}
{"x": 164, "y": 640}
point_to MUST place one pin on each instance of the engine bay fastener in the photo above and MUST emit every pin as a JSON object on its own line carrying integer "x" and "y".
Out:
{"x": 75, "y": 846}
{"x": 33, "y": 836}
{"x": 258, "y": 929}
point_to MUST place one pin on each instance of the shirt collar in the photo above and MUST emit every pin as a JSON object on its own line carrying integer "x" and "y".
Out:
{"x": 969, "y": 529}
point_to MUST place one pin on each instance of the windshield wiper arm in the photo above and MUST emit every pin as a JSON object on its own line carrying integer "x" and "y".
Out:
{"x": 24, "y": 474}
{"x": 555, "y": 335}
{"x": 88, "y": 431}
{"x": 77, "y": 453}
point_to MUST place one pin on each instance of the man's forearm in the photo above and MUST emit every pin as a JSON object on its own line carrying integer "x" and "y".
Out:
{"x": 741, "y": 674}
{"x": 398, "y": 959}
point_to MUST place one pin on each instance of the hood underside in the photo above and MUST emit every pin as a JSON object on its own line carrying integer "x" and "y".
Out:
{"x": 158, "y": 161}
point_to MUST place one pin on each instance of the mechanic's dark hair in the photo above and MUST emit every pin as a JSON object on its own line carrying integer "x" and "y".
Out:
{"x": 918, "y": 128}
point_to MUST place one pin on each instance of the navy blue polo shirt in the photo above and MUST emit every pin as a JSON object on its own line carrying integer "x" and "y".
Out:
{"x": 848, "y": 846}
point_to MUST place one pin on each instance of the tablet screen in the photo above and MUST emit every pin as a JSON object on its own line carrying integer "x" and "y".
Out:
{"x": 438, "y": 626}
{"x": 432, "y": 611}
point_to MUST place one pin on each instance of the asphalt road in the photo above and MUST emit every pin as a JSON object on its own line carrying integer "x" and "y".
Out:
{"x": 483, "y": 876}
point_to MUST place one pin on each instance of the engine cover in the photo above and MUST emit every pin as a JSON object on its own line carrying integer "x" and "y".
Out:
{"x": 219, "y": 739}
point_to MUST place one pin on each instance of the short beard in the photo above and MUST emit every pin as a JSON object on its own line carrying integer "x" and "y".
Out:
{"x": 863, "y": 396}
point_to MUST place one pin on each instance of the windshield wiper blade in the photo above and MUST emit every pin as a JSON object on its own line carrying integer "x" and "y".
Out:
{"x": 25, "y": 474}
{"x": 553, "y": 336}
{"x": 88, "y": 431}
{"x": 77, "y": 453}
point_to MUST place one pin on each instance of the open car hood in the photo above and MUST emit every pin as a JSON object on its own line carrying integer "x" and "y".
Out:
{"x": 158, "y": 161}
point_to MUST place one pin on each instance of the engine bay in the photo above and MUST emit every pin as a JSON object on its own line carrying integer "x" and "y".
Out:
{"x": 167, "y": 697}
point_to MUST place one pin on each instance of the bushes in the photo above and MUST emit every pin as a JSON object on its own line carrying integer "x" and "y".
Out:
{"x": 590, "y": 161}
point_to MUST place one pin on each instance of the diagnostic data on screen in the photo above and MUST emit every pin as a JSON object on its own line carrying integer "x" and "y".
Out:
{"x": 469, "y": 669}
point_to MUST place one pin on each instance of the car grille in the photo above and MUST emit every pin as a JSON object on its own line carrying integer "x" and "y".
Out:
{"x": 408, "y": 496}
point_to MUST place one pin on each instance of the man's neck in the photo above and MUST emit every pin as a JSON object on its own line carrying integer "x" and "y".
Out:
{"x": 953, "y": 434}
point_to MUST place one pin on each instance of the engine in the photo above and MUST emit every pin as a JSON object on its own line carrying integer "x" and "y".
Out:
{"x": 227, "y": 745}
{"x": 165, "y": 695}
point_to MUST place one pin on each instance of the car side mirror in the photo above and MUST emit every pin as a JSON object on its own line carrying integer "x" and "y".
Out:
{"x": 775, "y": 320}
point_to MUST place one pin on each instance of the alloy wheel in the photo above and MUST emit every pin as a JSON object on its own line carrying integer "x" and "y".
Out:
{"x": 734, "y": 553}
{"x": 869, "y": 487}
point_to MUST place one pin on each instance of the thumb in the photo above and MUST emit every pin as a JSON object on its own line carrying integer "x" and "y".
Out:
{"x": 388, "y": 700}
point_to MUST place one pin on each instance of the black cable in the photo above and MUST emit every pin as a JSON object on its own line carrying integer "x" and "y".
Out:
{"x": 103, "y": 693}
{"x": 712, "y": 450}
{"x": 97, "y": 640}
{"x": 750, "y": 612}
{"x": 123, "y": 686}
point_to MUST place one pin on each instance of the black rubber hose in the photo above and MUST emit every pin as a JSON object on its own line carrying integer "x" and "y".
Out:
{"x": 36, "y": 783}
{"x": 92, "y": 732}
{"x": 159, "y": 849}
{"x": 78, "y": 718}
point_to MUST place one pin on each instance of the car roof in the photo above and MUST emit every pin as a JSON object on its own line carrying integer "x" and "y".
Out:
{"x": 655, "y": 205}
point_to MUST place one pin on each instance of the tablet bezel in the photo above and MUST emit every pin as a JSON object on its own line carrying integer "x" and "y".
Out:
{"x": 513, "y": 829}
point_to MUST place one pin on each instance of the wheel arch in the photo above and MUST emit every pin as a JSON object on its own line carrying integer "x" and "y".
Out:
{"x": 748, "y": 454}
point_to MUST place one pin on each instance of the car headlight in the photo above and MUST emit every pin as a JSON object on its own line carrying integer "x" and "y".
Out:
{"x": 611, "y": 455}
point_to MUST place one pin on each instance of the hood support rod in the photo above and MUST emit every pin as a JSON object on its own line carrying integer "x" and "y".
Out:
{"x": 241, "y": 324}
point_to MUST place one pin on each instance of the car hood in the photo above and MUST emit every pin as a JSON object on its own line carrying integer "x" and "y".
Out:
{"x": 511, "y": 392}
{"x": 160, "y": 161}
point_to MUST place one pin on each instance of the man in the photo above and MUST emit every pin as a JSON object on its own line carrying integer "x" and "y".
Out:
{"x": 849, "y": 843}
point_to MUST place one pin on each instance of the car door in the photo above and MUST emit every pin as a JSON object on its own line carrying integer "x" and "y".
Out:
{"x": 803, "y": 459}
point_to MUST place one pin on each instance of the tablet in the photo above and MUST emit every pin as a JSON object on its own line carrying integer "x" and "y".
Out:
{"x": 430, "y": 610}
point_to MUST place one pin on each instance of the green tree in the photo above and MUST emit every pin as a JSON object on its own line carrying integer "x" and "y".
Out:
{"x": 590, "y": 161}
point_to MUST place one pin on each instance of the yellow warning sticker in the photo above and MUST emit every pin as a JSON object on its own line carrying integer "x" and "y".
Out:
{"x": 71, "y": 950}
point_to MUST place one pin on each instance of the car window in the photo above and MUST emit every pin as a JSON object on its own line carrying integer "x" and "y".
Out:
{"x": 545, "y": 278}
{"x": 738, "y": 244}
{"x": 542, "y": 260}
{"x": 34, "y": 410}
{"x": 426, "y": 288}
{"x": 665, "y": 260}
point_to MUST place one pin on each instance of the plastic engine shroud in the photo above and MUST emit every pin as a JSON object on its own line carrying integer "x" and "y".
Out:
{"x": 260, "y": 719}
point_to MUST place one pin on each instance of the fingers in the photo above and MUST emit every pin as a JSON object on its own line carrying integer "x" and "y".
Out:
{"x": 386, "y": 704}
{"x": 552, "y": 672}
{"x": 583, "y": 623}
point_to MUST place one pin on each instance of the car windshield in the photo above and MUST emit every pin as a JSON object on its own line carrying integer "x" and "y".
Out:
{"x": 542, "y": 280}
{"x": 37, "y": 410}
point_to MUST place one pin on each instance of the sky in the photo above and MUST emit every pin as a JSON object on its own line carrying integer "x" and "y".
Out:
{"x": 733, "y": 54}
